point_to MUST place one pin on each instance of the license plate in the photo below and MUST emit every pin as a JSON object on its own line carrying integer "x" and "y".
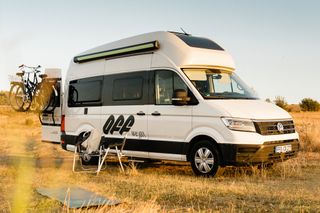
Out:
{"x": 283, "y": 149}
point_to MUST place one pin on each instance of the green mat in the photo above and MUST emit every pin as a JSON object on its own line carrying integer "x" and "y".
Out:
{"x": 75, "y": 197}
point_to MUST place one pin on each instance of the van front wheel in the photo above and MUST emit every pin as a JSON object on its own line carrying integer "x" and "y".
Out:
{"x": 204, "y": 158}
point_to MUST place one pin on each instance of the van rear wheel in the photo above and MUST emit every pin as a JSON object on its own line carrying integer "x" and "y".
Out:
{"x": 89, "y": 160}
{"x": 205, "y": 159}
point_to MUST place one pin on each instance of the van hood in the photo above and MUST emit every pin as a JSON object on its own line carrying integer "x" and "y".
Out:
{"x": 251, "y": 109}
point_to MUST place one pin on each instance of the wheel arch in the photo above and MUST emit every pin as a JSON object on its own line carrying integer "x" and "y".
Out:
{"x": 198, "y": 138}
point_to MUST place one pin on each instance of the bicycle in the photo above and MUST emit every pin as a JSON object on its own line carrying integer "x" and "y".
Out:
{"x": 30, "y": 93}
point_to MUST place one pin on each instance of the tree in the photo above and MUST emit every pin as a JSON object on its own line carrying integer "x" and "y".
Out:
{"x": 308, "y": 104}
{"x": 281, "y": 102}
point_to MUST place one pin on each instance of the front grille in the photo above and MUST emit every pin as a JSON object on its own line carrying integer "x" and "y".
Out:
{"x": 270, "y": 127}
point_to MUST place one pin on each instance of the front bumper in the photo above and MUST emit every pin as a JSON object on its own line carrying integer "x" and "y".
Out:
{"x": 242, "y": 154}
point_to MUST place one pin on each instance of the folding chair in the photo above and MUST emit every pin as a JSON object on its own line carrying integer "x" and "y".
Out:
{"x": 102, "y": 153}
{"x": 113, "y": 145}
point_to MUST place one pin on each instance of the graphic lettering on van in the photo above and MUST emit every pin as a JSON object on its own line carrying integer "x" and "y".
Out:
{"x": 139, "y": 134}
{"x": 120, "y": 125}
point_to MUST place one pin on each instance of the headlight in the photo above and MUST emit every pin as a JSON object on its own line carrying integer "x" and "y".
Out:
{"x": 239, "y": 124}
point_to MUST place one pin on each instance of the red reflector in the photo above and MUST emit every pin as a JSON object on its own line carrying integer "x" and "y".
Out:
{"x": 62, "y": 123}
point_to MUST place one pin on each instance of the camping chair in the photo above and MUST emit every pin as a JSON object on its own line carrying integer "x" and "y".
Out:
{"x": 113, "y": 145}
{"x": 101, "y": 154}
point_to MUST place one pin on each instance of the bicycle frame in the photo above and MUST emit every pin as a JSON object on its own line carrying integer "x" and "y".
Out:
{"x": 30, "y": 86}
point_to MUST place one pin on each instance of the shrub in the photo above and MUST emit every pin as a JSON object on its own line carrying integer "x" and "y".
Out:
{"x": 293, "y": 108}
{"x": 281, "y": 102}
{"x": 308, "y": 104}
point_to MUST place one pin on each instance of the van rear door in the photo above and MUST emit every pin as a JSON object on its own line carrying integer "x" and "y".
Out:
{"x": 51, "y": 120}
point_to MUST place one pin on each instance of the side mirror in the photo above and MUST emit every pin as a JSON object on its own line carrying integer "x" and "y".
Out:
{"x": 180, "y": 97}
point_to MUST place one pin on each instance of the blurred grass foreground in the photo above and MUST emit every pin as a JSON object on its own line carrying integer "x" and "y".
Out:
{"x": 26, "y": 163}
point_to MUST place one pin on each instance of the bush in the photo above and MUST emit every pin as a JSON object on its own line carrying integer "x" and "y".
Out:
{"x": 293, "y": 108}
{"x": 308, "y": 104}
{"x": 281, "y": 102}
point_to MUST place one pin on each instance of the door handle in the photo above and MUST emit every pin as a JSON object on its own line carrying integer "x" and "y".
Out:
{"x": 156, "y": 113}
{"x": 141, "y": 113}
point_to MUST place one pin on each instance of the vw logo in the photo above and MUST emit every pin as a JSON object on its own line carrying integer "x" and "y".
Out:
{"x": 280, "y": 127}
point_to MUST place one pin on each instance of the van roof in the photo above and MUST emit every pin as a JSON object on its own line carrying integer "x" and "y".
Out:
{"x": 183, "y": 50}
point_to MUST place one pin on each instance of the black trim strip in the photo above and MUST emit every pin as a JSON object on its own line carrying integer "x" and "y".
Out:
{"x": 44, "y": 124}
{"x": 167, "y": 147}
{"x": 150, "y": 145}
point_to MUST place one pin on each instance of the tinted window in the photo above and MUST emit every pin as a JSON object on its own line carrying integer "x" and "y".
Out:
{"x": 165, "y": 83}
{"x": 85, "y": 92}
{"x": 199, "y": 42}
{"x": 127, "y": 89}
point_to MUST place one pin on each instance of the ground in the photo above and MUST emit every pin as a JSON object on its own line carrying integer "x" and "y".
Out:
{"x": 26, "y": 164}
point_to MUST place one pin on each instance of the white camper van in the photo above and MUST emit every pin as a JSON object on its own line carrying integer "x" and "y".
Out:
{"x": 176, "y": 97}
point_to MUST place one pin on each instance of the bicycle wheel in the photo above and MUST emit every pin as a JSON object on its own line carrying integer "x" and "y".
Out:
{"x": 16, "y": 96}
{"x": 53, "y": 101}
{"x": 19, "y": 99}
{"x": 43, "y": 97}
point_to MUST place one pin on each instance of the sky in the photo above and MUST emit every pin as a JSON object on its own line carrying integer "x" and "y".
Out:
{"x": 275, "y": 44}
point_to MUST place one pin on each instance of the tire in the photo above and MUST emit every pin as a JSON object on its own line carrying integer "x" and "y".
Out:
{"x": 205, "y": 159}
{"x": 51, "y": 105}
{"x": 51, "y": 99}
{"x": 43, "y": 98}
{"x": 89, "y": 160}
{"x": 15, "y": 104}
{"x": 18, "y": 98}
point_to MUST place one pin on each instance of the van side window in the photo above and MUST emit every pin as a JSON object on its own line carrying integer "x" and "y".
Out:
{"x": 127, "y": 89}
{"x": 85, "y": 92}
{"x": 165, "y": 83}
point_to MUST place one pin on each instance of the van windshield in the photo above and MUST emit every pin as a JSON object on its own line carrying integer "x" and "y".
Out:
{"x": 219, "y": 84}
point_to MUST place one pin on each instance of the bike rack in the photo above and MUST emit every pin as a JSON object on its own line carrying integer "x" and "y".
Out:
{"x": 57, "y": 104}
{"x": 47, "y": 113}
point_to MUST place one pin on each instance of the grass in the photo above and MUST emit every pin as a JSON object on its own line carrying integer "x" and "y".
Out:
{"x": 26, "y": 164}
{"x": 308, "y": 126}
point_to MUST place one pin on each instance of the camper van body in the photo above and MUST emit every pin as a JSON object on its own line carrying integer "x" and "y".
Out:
{"x": 131, "y": 87}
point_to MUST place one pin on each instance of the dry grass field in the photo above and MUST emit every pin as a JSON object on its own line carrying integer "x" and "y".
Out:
{"x": 26, "y": 163}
